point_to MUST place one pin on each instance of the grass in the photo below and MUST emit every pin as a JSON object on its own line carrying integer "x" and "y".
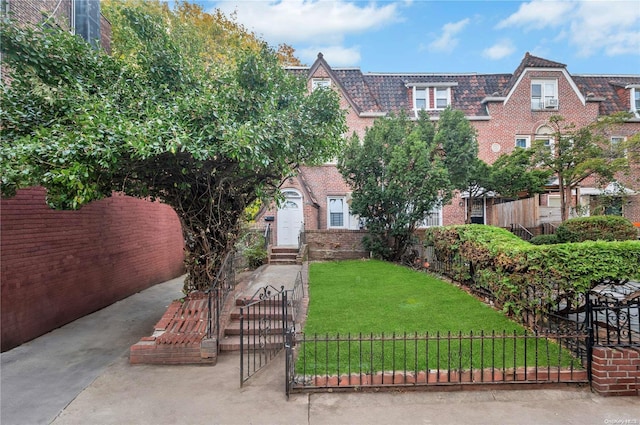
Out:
{"x": 432, "y": 324}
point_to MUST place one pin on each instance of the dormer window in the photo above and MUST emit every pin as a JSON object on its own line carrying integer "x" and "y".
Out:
{"x": 635, "y": 100}
{"x": 544, "y": 95}
{"x": 431, "y": 96}
{"x": 320, "y": 83}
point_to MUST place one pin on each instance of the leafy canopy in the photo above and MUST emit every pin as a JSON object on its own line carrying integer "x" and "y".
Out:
{"x": 158, "y": 120}
{"x": 399, "y": 175}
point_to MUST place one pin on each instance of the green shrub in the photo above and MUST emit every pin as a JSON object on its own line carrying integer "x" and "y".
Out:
{"x": 544, "y": 240}
{"x": 510, "y": 267}
{"x": 595, "y": 228}
{"x": 252, "y": 247}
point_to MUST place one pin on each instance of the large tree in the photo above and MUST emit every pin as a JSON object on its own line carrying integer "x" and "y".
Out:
{"x": 573, "y": 154}
{"x": 398, "y": 176}
{"x": 158, "y": 121}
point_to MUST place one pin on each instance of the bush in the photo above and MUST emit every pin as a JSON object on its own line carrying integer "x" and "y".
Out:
{"x": 544, "y": 240}
{"x": 497, "y": 261}
{"x": 252, "y": 247}
{"x": 597, "y": 228}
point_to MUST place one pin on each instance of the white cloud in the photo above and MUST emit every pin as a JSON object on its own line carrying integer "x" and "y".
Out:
{"x": 296, "y": 21}
{"x": 592, "y": 27}
{"x": 447, "y": 41}
{"x": 611, "y": 27}
{"x": 501, "y": 49}
{"x": 337, "y": 56}
{"x": 539, "y": 14}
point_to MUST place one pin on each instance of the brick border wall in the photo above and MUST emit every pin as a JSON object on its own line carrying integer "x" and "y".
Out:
{"x": 616, "y": 371}
{"x": 57, "y": 266}
{"x": 335, "y": 244}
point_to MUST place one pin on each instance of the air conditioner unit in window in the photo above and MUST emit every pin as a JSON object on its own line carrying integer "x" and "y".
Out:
{"x": 551, "y": 103}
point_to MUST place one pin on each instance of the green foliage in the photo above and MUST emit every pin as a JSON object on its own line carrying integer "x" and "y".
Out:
{"x": 158, "y": 120}
{"x": 511, "y": 175}
{"x": 457, "y": 137}
{"x": 399, "y": 174}
{"x": 544, "y": 240}
{"x": 510, "y": 267}
{"x": 251, "y": 245}
{"x": 594, "y": 228}
{"x": 576, "y": 154}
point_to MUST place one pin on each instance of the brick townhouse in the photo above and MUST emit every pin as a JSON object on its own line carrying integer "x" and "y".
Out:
{"x": 507, "y": 110}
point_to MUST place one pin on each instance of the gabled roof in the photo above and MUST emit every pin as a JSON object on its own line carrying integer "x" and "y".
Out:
{"x": 530, "y": 61}
{"x": 378, "y": 93}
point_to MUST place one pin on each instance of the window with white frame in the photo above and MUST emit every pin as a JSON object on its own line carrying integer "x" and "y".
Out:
{"x": 317, "y": 83}
{"x": 544, "y": 94}
{"x": 338, "y": 212}
{"x": 422, "y": 97}
{"x": 615, "y": 148}
{"x": 434, "y": 218}
{"x": 523, "y": 142}
{"x": 635, "y": 100}
{"x": 442, "y": 97}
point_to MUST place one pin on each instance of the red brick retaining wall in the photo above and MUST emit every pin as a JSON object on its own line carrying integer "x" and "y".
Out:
{"x": 58, "y": 266}
{"x": 453, "y": 377}
{"x": 335, "y": 244}
{"x": 616, "y": 371}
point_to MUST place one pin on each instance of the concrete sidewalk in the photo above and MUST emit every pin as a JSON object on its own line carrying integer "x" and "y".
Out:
{"x": 80, "y": 374}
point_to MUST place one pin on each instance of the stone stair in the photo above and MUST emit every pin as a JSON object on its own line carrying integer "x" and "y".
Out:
{"x": 271, "y": 325}
{"x": 283, "y": 255}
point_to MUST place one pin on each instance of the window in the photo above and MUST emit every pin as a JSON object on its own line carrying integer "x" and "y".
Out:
{"x": 523, "y": 142}
{"x": 636, "y": 99}
{"x": 553, "y": 201}
{"x": 320, "y": 83}
{"x": 615, "y": 149}
{"x": 544, "y": 94}
{"x": 422, "y": 96}
{"x": 86, "y": 20}
{"x": 434, "y": 218}
{"x": 337, "y": 212}
{"x": 442, "y": 97}
{"x": 420, "y": 99}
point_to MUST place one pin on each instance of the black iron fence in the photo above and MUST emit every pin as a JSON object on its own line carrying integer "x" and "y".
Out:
{"x": 431, "y": 359}
{"x": 615, "y": 315}
{"x": 217, "y": 294}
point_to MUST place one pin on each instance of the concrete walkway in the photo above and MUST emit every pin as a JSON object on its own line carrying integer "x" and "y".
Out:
{"x": 80, "y": 374}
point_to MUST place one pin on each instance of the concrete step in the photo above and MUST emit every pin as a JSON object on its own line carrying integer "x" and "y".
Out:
{"x": 284, "y": 250}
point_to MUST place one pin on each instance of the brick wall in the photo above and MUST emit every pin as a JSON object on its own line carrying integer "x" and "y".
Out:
{"x": 335, "y": 244}
{"x": 616, "y": 371}
{"x": 58, "y": 266}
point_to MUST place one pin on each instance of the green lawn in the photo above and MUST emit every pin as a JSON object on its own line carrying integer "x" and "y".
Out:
{"x": 368, "y": 299}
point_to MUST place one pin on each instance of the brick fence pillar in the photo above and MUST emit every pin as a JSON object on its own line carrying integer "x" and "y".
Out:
{"x": 616, "y": 371}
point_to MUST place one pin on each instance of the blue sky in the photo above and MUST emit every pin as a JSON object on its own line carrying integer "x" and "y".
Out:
{"x": 590, "y": 37}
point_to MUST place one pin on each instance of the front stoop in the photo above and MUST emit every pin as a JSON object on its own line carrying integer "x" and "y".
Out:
{"x": 283, "y": 255}
{"x": 231, "y": 340}
{"x": 179, "y": 337}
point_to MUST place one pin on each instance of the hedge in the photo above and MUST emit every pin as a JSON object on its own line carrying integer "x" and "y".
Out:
{"x": 499, "y": 261}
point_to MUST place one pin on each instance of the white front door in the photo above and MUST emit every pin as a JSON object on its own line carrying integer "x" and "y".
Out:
{"x": 290, "y": 219}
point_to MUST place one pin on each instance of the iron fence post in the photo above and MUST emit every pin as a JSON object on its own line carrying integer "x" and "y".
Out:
{"x": 590, "y": 336}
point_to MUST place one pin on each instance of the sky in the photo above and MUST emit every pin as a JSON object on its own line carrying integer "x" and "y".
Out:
{"x": 454, "y": 36}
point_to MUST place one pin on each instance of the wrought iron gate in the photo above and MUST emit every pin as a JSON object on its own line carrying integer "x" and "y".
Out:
{"x": 266, "y": 321}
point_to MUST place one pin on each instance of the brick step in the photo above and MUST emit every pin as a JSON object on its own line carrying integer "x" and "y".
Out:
{"x": 284, "y": 250}
{"x": 269, "y": 304}
{"x": 235, "y": 315}
{"x": 232, "y": 343}
{"x": 251, "y": 328}
{"x": 282, "y": 262}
